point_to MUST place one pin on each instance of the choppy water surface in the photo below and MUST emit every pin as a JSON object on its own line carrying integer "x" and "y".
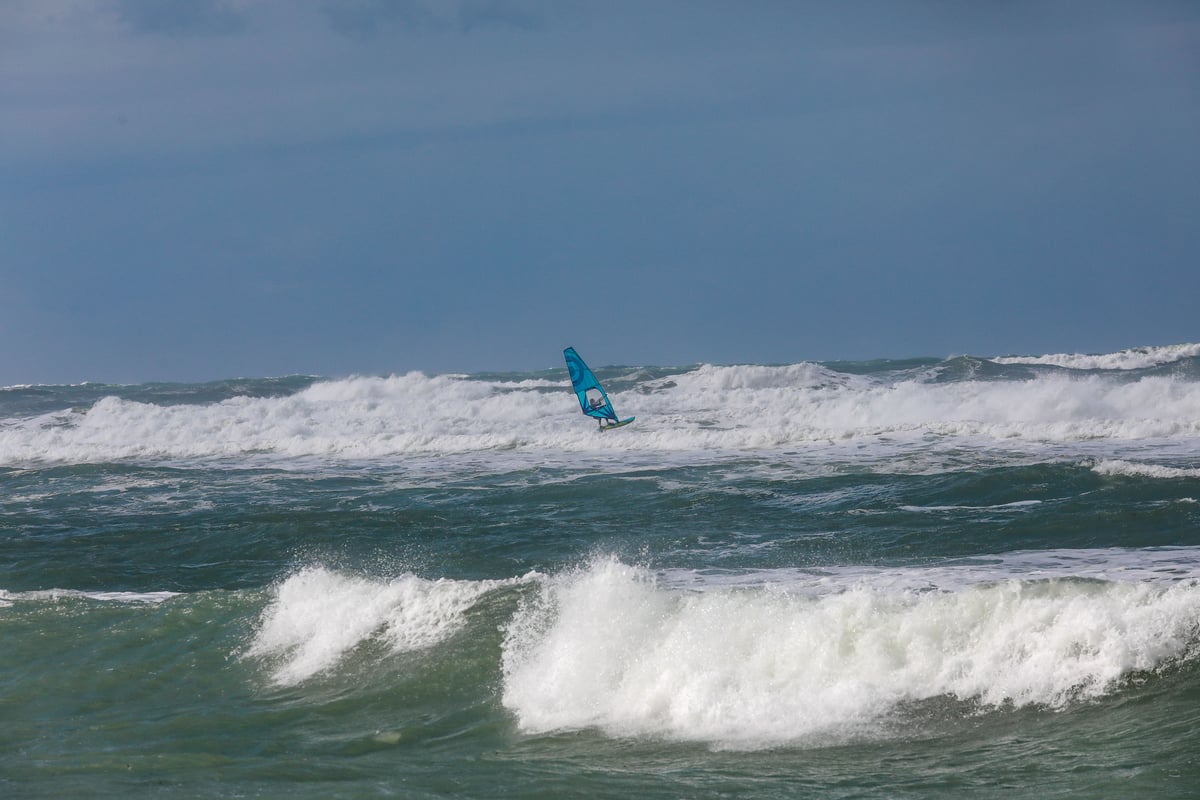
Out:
{"x": 892, "y": 579}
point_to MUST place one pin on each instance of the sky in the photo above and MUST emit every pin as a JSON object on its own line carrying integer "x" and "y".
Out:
{"x": 202, "y": 189}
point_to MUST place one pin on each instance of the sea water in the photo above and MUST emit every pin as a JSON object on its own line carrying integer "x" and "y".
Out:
{"x": 922, "y": 578}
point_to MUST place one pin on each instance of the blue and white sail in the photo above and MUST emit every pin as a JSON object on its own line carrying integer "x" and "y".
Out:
{"x": 592, "y": 397}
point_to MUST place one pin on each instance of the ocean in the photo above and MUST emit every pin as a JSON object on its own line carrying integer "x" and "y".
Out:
{"x": 923, "y": 578}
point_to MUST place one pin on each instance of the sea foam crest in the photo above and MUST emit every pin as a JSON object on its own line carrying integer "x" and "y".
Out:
{"x": 1118, "y": 466}
{"x": 58, "y": 595}
{"x": 319, "y": 615}
{"x": 1132, "y": 358}
{"x": 354, "y": 417}
{"x": 710, "y": 408}
{"x": 611, "y": 648}
{"x": 1047, "y": 408}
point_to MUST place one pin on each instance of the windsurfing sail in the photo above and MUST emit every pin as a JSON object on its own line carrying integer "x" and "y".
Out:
{"x": 592, "y": 397}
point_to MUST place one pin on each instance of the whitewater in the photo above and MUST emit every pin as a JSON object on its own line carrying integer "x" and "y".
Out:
{"x": 895, "y": 578}
{"x": 706, "y": 408}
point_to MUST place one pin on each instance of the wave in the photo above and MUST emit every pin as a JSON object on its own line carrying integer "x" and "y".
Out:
{"x": 1133, "y": 469}
{"x": 58, "y": 595}
{"x": 317, "y": 616}
{"x": 706, "y": 408}
{"x": 1013, "y": 506}
{"x": 615, "y": 648}
{"x": 742, "y": 659}
{"x": 1131, "y": 359}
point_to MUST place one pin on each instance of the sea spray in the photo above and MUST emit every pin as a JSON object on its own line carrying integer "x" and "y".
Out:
{"x": 611, "y": 647}
{"x": 318, "y": 615}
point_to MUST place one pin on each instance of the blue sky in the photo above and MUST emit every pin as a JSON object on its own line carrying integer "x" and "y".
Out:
{"x": 203, "y": 189}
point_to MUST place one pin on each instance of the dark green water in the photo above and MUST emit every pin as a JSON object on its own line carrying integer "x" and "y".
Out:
{"x": 918, "y": 579}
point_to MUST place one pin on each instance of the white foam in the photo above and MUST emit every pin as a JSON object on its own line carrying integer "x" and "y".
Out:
{"x": 613, "y": 647}
{"x": 1133, "y": 469}
{"x": 56, "y": 595}
{"x": 1016, "y": 505}
{"x": 706, "y": 410}
{"x": 130, "y": 597}
{"x": 1158, "y": 565}
{"x": 1133, "y": 358}
{"x": 318, "y": 615}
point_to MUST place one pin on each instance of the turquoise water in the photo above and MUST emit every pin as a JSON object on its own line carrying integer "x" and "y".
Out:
{"x": 886, "y": 579}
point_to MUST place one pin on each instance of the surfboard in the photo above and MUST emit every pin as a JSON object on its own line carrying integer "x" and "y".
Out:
{"x": 591, "y": 395}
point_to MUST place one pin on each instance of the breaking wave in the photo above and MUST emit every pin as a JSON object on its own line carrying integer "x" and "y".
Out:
{"x": 1131, "y": 359}
{"x": 616, "y": 648}
{"x": 707, "y": 408}
{"x": 317, "y": 616}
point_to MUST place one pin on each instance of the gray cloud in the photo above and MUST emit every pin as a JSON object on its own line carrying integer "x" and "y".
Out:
{"x": 371, "y": 17}
{"x": 188, "y": 18}
{"x": 841, "y": 168}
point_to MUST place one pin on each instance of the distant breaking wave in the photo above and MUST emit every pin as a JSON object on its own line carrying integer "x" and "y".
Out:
{"x": 1133, "y": 358}
{"x": 704, "y": 409}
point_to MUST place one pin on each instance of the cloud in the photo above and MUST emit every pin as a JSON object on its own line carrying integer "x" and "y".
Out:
{"x": 190, "y": 18}
{"x": 720, "y": 156}
{"x": 126, "y": 79}
{"x": 371, "y": 17}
